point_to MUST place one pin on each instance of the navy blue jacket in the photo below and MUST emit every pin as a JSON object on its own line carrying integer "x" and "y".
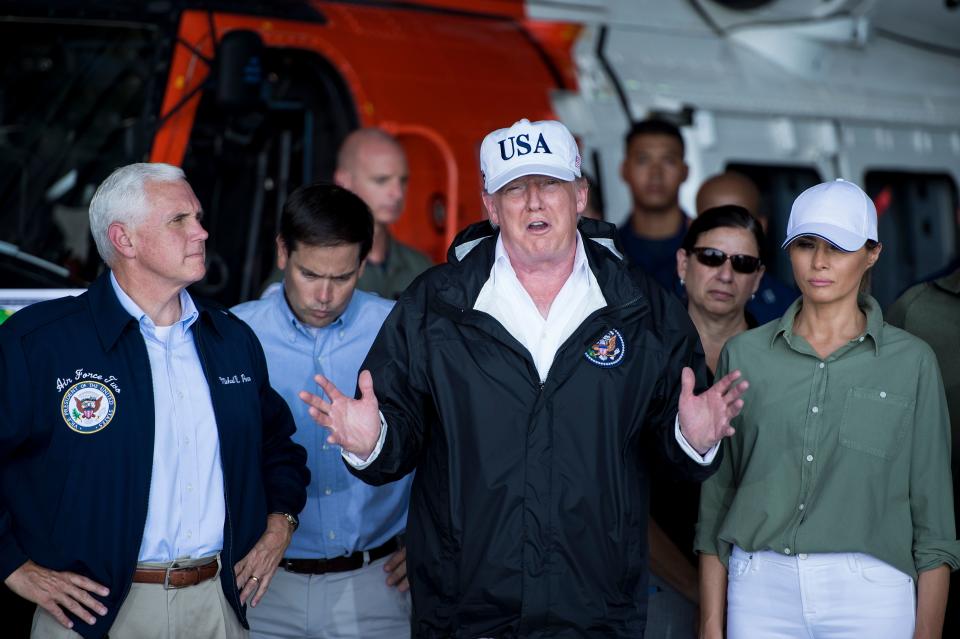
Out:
{"x": 77, "y": 501}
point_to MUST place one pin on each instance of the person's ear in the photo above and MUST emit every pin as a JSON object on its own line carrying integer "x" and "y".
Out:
{"x": 121, "y": 240}
{"x": 873, "y": 255}
{"x": 682, "y": 261}
{"x": 282, "y": 255}
{"x": 343, "y": 179}
{"x": 490, "y": 203}
{"x": 759, "y": 278}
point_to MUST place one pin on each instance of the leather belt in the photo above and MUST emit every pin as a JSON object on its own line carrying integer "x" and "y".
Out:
{"x": 345, "y": 563}
{"x": 176, "y": 576}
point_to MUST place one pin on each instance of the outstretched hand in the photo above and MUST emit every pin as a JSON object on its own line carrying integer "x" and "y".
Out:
{"x": 705, "y": 418}
{"x": 354, "y": 423}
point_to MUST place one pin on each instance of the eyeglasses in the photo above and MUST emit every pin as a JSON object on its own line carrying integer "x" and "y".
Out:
{"x": 715, "y": 258}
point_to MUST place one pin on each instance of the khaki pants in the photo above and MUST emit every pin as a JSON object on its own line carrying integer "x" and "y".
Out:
{"x": 150, "y": 612}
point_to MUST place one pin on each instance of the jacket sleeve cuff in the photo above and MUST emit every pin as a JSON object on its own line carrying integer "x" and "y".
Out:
{"x": 11, "y": 557}
{"x": 704, "y": 460}
{"x": 359, "y": 463}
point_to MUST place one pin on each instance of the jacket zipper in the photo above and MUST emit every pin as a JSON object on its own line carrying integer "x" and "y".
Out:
{"x": 228, "y": 541}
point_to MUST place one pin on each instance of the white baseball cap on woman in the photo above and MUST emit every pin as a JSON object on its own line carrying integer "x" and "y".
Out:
{"x": 839, "y": 212}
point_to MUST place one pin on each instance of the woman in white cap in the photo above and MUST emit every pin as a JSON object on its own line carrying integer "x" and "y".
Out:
{"x": 831, "y": 514}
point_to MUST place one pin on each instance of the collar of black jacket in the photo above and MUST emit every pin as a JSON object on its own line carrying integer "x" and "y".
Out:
{"x": 472, "y": 252}
{"x": 111, "y": 319}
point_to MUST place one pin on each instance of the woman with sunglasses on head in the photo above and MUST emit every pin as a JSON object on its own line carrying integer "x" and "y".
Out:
{"x": 831, "y": 514}
{"x": 719, "y": 266}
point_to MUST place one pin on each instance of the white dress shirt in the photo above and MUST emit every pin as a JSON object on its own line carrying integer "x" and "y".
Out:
{"x": 504, "y": 298}
{"x": 186, "y": 507}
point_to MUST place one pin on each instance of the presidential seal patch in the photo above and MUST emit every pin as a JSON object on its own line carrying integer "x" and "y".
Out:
{"x": 88, "y": 407}
{"x": 608, "y": 350}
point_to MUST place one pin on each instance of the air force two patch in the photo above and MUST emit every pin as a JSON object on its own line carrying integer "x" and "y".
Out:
{"x": 608, "y": 351}
{"x": 88, "y": 407}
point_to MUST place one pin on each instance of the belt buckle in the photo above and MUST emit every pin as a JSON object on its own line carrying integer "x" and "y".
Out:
{"x": 166, "y": 576}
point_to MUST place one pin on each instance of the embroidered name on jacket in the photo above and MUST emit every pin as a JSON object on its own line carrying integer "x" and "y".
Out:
{"x": 88, "y": 407}
{"x": 607, "y": 351}
{"x": 236, "y": 379}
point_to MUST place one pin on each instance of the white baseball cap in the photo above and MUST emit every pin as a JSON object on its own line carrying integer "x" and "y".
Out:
{"x": 839, "y": 212}
{"x": 528, "y": 148}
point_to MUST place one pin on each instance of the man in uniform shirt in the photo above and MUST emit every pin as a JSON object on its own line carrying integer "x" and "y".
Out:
{"x": 344, "y": 573}
{"x": 143, "y": 450}
{"x": 653, "y": 169}
{"x": 372, "y": 164}
{"x": 526, "y": 380}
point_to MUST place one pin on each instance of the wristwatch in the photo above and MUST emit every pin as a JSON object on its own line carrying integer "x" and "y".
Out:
{"x": 291, "y": 519}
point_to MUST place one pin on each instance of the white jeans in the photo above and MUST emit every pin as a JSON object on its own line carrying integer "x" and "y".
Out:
{"x": 817, "y": 596}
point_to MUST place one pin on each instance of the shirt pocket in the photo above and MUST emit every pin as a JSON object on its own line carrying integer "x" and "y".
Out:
{"x": 875, "y": 421}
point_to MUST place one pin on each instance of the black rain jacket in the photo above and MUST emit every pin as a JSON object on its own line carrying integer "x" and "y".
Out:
{"x": 528, "y": 513}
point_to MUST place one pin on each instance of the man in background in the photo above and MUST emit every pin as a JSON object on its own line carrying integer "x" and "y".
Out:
{"x": 653, "y": 168}
{"x": 372, "y": 164}
{"x": 931, "y": 311}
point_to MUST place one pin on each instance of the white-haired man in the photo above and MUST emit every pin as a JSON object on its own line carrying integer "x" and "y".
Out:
{"x": 527, "y": 380}
{"x": 144, "y": 451}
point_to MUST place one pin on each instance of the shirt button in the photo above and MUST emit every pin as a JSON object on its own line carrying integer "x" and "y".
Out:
{"x": 180, "y": 394}
{"x": 341, "y": 333}
{"x": 861, "y": 339}
{"x": 786, "y": 550}
{"x": 327, "y": 491}
{"x": 186, "y": 441}
{"x": 189, "y": 488}
{"x": 801, "y": 507}
{"x": 883, "y": 394}
{"x": 809, "y": 458}
{"x": 815, "y": 409}
{"x": 189, "y": 534}
{"x": 332, "y": 535}
{"x": 325, "y": 447}
{"x": 802, "y": 555}
{"x": 822, "y": 364}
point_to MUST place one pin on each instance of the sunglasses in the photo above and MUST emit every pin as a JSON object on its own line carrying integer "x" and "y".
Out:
{"x": 715, "y": 257}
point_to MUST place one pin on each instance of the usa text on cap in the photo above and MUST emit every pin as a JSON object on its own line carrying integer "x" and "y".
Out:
{"x": 545, "y": 147}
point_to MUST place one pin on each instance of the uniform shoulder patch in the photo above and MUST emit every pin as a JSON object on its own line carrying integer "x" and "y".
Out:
{"x": 88, "y": 407}
{"x": 608, "y": 351}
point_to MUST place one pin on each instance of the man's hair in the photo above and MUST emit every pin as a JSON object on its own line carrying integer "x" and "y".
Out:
{"x": 122, "y": 197}
{"x": 726, "y": 216}
{"x": 654, "y": 126}
{"x": 326, "y": 215}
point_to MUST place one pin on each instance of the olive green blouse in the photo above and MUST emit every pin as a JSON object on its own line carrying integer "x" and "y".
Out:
{"x": 845, "y": 454}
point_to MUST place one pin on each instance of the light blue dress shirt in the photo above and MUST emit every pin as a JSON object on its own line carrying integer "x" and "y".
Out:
{"x": 186, "y": 509}
{"x": 342, "y": 514}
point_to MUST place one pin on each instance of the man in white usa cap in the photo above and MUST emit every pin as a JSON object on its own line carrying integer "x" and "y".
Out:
{"x": 528, "y": 381}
